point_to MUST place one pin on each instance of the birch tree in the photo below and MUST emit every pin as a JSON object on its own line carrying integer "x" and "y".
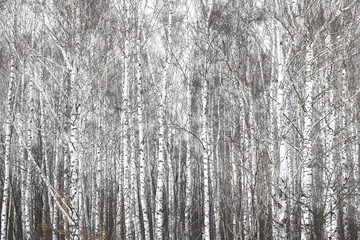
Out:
{"x": 142, "y": 163}
{"x": 161, "y": 118}
{"x": 7, "y": 156}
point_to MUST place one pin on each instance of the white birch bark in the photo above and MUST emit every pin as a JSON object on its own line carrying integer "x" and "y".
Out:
{"x": 7, "y": 163}
{"x": 80, "y": 184}
{"x": 282, "y": 193}
{"x": 234, "y": 189}
{"x": 54, "y": 215}
{"x": 205, "y": 163}
{"x": 161, "y": 158}
{"x": 344, "y": 153}
{"x": 73, "y": 149}
{"x": 251, "y": 171}
{"x": 73, "y": 67}
{"x": 307, "y": 147}
{"x": 66, "y": 223}
{"x": 214, "y": 165}
{"x": 125, "y": 170}
{"x": 189, "y": 162}
{"x": 142, "y": 163}
{"x": 100, "y": 164}
{"x": 205, "y": 134}
{"x": 134, "y": 213}
{"x": 170, "y": 193}
{"x": 356, "y": 155}
{"x": 188, "y": 190}
{"x": 9, "y": 119}
{"x": 246, "y": 190}
{"x": 120, "y": 178}
{"x": 330, "y": 123}
{"x": 23, "y": 170}
{"x": 125, "y": 135}
{"x": 273, "y": 128}
{"x": 27, "y": 202}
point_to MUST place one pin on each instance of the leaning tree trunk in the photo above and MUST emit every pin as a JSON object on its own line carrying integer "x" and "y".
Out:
{"x": 7, "y": 165}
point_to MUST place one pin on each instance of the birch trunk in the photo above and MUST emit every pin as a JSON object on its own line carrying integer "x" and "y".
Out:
{"x": 125, "y": 133}
{"x": 205, "y": 133}
{"x": 344, "y": 155}
{"x": 188, "y": 190}
{"x": 307, "y": 147}
{"x": 135, "y": 223}
{"x": 282, "y": 193}
{"x": 54, "y": 215}
{"x": 214, "y": 165}
{"x": 100, "y": 163}
{"x": 27, "y": 202}
{"x": 356, "y": 154}
{"x": 99, "y": 166}
{"x": 66, "y": 224}
{"x": 73, "y": 149}
{"x": 189, "y": 162}
{"x": 245, "y": 218}
{"x": 171, "y": 186}
{"x": 7, "y": 162}
{"x": 252, "y": 169}
{"x": 73, "y": 67}
{"x": 330, "y": 124}
{"x": 142, "y": 163}
{"x": 273, "y": 131}
{"x": 205, "y": 163}
{"x": 234, "y": 189}
{"x": 80, "y": 183}
{"x": 161, "y": 159}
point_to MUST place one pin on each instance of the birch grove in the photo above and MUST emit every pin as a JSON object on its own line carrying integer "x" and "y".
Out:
{"x": 216, "y": 119}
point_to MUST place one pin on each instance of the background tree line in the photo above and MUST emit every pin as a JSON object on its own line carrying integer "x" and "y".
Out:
{"x": 216, "y": 119}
